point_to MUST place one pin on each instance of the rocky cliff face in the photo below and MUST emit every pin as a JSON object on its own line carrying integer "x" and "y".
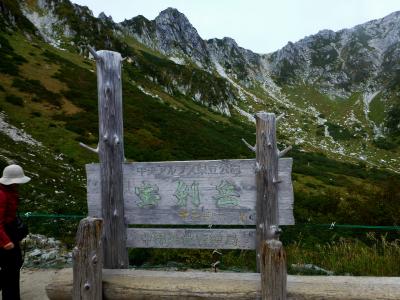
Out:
{"x": 361, "y": 58}
{"x": 175, "y": 34}
{"x": 171, "y": 34}
{"x": 239, "y": 63}
{"x": 51, "y": 26}
{"x": 72, "y": 27}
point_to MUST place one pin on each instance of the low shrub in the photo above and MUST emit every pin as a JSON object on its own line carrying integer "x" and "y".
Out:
{"x": 14, "y": 100}
{"x": 35, "y": 87}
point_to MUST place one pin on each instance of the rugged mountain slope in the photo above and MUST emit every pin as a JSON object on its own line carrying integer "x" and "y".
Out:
{"x": 184, "y": 98}
{"x": 172, "y": 34}
{"x": 48, "y": 103}
{"x": 360, "y": 58}
{"x": 341, "y": 84}
{"x": 363, "y": 59}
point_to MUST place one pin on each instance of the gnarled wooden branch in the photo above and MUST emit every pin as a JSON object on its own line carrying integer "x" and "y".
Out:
{"x": 90, "y": 148}
{"x": 279, "y": 117}
{"x": 94, "y": 53}
{"x": 252, "y": 148}
{"x": 284, "y": 151}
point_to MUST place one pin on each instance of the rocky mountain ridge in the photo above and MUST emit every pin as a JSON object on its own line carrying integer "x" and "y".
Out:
{"x": 340, "y": 62}
{"x": 360, "y": 58}
{"x": 172, "y": 34}
{"x": 339, "y": 90}
{"x": 363, "y": 59}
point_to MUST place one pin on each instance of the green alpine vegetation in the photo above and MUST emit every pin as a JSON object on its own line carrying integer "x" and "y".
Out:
{"x": 344, "y": 170}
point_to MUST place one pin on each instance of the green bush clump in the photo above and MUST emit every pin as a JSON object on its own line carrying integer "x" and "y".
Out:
{"x": 14, "y": 100}
{"x": 36, "y": 99}
{"x": 35, "y": 87}
{"x": 393, "y": 120}
{"x": 54, "y": 58}
{"x": 75, "y": 128}
{"x": 385, "y": 143}
{"x": 36, "y": 114}
{"x": 317, "y": 164}
{"x": 338, "y": 132}
{"x": 9, "y": 60}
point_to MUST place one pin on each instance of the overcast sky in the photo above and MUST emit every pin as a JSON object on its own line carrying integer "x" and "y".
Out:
{"x": 259, "y": 25}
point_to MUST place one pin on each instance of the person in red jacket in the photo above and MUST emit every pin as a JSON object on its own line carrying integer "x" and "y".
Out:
{"x": 10, "y": 251}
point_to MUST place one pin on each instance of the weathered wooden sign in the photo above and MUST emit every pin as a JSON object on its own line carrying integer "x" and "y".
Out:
{"x": 214, "y": 192}
{"x": 218, "y": 192}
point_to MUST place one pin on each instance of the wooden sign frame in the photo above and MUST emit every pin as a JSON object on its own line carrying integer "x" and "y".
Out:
{"x": 256, "y": 192}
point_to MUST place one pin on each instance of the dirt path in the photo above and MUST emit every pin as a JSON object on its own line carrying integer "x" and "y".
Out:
{"x": 33, "y": 282}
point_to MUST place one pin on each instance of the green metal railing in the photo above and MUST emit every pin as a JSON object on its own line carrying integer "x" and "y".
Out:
{"x": 30, "y": 215}
{"x": 305, "y": 243}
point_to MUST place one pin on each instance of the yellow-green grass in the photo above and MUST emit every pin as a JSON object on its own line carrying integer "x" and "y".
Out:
{"x": 350, "y": 256}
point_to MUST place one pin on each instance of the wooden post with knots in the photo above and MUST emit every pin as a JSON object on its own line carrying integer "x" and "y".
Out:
{"x": 88, "y": 260}
{"x": 111, "y": 155}
{"x": 271, "y": 257}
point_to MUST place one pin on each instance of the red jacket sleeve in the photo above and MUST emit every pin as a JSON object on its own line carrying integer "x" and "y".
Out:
{"x": 4, "y": 239}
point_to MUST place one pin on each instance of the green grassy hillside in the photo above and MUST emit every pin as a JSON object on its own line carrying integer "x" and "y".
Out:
{"x": 51, "y": 94}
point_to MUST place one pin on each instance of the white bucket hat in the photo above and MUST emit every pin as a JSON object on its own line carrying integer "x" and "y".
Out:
{"x": 13, "y": 174}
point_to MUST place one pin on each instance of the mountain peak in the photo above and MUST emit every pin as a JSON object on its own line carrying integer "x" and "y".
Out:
{"x": 172, "y": 12}
{"x": 102, "y": 16}
{"x": 171, "y": 16}
{"x": 175, "y": 34}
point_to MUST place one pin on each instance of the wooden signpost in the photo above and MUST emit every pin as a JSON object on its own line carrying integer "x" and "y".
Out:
{"x": 215, "y": 192}
{"x": 111, "y": 155}
{"x": 270, "y": 254}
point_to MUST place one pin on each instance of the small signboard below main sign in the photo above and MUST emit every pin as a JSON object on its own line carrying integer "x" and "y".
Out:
{"x": 218, "y": 192}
